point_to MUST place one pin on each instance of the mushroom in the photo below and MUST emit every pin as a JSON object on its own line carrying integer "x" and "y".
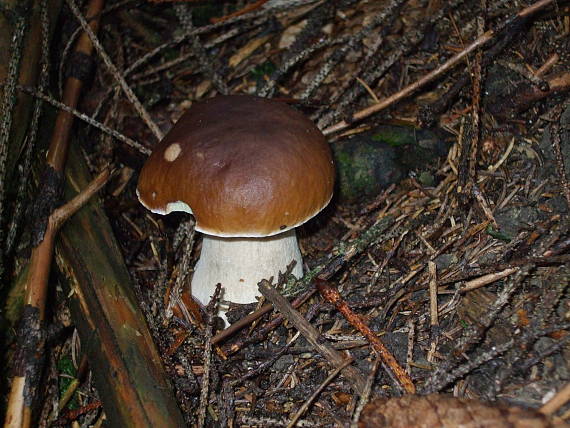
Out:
{"x": 250, "y": 170}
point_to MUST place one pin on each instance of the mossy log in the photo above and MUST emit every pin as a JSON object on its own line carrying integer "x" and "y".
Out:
{"x": 126, "y": 365}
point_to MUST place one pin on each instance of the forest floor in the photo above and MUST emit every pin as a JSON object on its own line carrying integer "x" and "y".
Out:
{"x": 449, "y": 232}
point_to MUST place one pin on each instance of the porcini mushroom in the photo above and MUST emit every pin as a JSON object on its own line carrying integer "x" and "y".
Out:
{"x": 250, "y": 170}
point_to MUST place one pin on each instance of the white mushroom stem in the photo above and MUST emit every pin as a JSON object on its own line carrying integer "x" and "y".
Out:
{"x": 240, "y": 263}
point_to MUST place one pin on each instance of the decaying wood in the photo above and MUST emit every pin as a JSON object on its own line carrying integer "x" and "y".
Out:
{"x": 31, "y": 335}
{"x": 127, "y": 369}
{"x": 19, "y": 127}
{"x": 29, "y": 357}
{"x": 442, "y": 411}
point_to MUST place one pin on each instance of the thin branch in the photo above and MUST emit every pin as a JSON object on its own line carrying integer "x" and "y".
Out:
{"x": 344, "y": 252}
{"x": 32, "y": 136}
{"x": 88, "y": 120}
{"x": 312, "y": 335}
{"x": 389, "y": 363}
{"x": 365, "y": 397}
{"x": 487, "y": 279}
{"x": 145, "y": 116}
{"x": 30, "y": 331}
{"x": 315, "y": 394}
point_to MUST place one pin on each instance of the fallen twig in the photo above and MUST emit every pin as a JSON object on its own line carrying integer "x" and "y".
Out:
{"x": 145, "y": 116}
{"x": 88, "y": 120}
{"x": 204, "y": 392}
{"x": 487, "y": 279}
{"x": 248, "y": 319}
{"x": 364, "y": 398}
{"x": 243, "y": 11}
{"x": 389, "y": 363}
{"x": 8, "y": 102}
{"x": 31, "y": 337}
{"x": 556, "y": 402}
{"x": 315, "y": 394}
{"x": 312, "y": 335}
{"x": 558, "y": 156}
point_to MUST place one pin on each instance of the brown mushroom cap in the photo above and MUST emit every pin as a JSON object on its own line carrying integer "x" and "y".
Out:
{"x": 244, "y": 166}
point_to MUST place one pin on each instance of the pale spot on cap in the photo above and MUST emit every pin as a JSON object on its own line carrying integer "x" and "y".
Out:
{"x": 172, "y": 152}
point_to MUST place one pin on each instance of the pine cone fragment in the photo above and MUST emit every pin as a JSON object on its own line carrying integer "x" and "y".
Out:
{"x": 444, "y": 411}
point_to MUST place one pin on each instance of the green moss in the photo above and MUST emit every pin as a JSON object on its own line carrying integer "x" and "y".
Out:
{"x": 15, "y": 298}
{"x": 497, "y": 234}
{"x": 356, "y": 170}
{"x": 395, "y": 136}
{"x": 426, "y": 178}
{"x": 265, "y": 69}
{"x": 67, "y": 374}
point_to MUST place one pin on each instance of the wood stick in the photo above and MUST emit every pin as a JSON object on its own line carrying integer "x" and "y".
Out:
{"x": 364, "y": 398}
{"x": 315, "y": 394}
{"x": 248, "y": 319}
{"x": 556, "y": 402}
{"x": 433, "y": 308}
{"x": 389, "y": 363}
{"x": 334, "y": 357}
{"x": 94, "y": 41}
{"x": 31, "y": 337}
{"x": 28, "y": 359}
{"x": 246, "y": 9}
{"x": 126, "y": 365}
{"x": 487, "y": 279}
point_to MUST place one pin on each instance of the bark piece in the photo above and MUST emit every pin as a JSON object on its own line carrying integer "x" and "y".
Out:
{"x": 444, "y": 411}
{"x": 127, "y": 368}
